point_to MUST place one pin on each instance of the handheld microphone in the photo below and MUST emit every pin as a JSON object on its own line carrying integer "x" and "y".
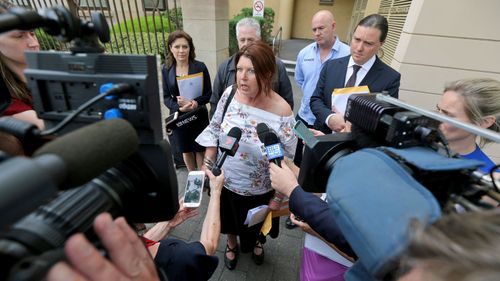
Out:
{"x": 262, "y": 130}
{"x": 275, "y": 154}
{"x": 228, "y": 145}
{"x": 274, "y": 149}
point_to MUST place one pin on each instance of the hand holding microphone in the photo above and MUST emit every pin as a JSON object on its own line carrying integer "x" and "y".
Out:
{"x": 275, "y": 154}
{"x": 228, "y": 145}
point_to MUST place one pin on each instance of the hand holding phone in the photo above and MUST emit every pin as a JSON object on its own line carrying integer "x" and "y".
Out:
{"x": 304, "y": 133}
{"x": 194, "y": 189}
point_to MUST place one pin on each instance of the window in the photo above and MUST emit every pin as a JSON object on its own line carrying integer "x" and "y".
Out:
{"x": 154, "y": 4}
{"x": 326, "y": 2}
{"x": 94, "y": 4}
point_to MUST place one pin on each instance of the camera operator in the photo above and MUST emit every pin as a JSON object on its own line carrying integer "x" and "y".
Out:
{"x": 130, "y": 261}
{"x": 13, "y": 86}
{"x": 457, "y": 247}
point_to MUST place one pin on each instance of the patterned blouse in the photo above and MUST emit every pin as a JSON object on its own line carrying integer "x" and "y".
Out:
{"x": 247, "y": 173}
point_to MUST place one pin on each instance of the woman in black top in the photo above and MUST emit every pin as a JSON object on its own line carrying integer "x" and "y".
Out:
{"x": 181, "y": 63}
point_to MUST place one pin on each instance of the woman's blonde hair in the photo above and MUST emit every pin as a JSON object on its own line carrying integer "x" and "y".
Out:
{"x": 481, "y": 98}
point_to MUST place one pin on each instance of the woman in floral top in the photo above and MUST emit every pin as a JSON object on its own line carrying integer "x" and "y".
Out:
{"x": 247, "y": 182}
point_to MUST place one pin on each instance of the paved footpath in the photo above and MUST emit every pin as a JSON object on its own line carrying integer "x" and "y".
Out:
{"x": 282, "y": 255}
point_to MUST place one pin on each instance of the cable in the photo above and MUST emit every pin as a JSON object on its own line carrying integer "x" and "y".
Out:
{"x": 117, "y": 89}
{"x": 493, "y": 180}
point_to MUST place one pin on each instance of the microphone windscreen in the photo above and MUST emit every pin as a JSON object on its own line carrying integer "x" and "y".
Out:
{"x": 235, "y": 132}
{"x": 262, "y": 130}
{"x": 270, "y": 139}
{"x": 91, "y": 150}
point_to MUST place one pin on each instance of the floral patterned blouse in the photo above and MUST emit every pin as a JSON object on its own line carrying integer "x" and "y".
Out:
{"x": 247, "y": 173}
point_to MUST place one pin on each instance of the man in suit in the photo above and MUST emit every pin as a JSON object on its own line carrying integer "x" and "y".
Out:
{"x": 362, "y": 67}
{"x": 248, "y": 31}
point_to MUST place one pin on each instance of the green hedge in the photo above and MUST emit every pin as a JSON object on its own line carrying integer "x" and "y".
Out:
{"x": 140, "y": 33}
{"x": 49, "y": 42}
{"x": 266, "y": 26}
{"x": 142, "y": 24}
{"x": 138, "y": 44}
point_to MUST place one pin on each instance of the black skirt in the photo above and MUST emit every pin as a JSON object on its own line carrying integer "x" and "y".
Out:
{"x": 184, "y": 137}
{"x": 233, "y": 212}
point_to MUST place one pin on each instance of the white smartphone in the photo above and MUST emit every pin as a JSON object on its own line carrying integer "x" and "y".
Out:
{"x": 194, "y": 189}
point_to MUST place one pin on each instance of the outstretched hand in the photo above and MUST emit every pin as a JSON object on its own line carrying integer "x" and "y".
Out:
{"x": 129, "y": 259}
{"x": 182, "y": 214}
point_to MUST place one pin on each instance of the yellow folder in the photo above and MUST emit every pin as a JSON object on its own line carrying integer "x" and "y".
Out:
{"x": 341, "y": 95}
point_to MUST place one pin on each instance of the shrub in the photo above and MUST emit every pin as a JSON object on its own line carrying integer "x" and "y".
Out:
{"x": 266, "y": 26}
{"x": 48, "y": 42}
{"x": 142, "y": 24}
{"x": 138, "y": 43}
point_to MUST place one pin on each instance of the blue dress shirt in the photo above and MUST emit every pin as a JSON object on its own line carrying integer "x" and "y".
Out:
{"x": 307, "y": 72}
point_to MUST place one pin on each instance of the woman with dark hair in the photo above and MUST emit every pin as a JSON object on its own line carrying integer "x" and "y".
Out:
{"x": 247, "y": 182}
{"x": 16, "y": 97}
{"x": 181, "y": 65}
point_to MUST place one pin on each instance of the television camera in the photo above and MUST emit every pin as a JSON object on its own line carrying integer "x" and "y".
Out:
{"x": 122, "y": 165}
{"x": 394, "y": 167}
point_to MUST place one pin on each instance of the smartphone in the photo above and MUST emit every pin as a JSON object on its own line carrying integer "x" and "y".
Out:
{"x": 194, "y": 189}
{"x": 303, "y": 132}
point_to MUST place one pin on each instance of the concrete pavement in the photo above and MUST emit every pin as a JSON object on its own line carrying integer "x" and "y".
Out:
{"x": 283, "y": 254}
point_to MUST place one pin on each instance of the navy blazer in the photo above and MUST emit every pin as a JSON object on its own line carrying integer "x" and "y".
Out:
{"x": 171, "y": 90}
{"x": 379, "y": 78}
{"x": 318, "y": 215}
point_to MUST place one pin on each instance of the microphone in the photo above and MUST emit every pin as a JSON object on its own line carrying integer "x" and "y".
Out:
{"x": 68, "y": 161}
{"x": 228, "y": 145}
{"x": 274, "y": 149}
{"x": 91, "y": 150}
{"x": 275, "y": 154}
{"x": 262, "y": 130}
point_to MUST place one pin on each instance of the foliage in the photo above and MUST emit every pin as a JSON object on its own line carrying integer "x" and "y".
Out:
{"x": 175, "y": 15}
{"x": 138, "y": 43}
{"x": 142, "y": 24}
{"x": 48, "y": 42}
{"x": 138, "y": 35}
{"x": 266, "y": 26}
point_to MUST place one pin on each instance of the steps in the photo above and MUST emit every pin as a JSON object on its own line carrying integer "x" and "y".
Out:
{"x": 290, "y": 66}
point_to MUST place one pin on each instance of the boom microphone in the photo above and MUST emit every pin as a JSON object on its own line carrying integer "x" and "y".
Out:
{"x": 68, "y": 161}
{"x": 91, "y": 150}
{"x": 228, "y": 145}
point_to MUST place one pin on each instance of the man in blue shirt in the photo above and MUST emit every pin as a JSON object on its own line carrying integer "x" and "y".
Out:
{"x": 310, "y": 61}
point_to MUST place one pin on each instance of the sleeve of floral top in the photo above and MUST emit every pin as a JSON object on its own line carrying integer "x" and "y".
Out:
{"x": 287, "y": 137}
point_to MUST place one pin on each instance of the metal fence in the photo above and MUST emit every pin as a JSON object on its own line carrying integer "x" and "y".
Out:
{"x": 139, "y": 27}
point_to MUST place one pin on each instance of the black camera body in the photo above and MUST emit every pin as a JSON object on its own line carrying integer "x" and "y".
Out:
{"x": 70, "y": 91}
